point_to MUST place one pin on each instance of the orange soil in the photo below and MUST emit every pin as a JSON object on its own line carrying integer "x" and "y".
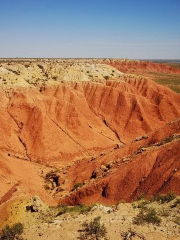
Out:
{"x": 68, "y": 124}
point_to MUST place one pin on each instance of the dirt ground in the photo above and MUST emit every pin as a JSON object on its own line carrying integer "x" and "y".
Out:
{"x": 44, "y": 222}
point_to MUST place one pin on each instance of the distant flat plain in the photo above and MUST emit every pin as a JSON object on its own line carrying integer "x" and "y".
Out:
{"x": 170, "y": 80}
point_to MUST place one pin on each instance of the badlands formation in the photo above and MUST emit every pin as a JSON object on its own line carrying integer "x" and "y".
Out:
{"x": 86, "y": 131}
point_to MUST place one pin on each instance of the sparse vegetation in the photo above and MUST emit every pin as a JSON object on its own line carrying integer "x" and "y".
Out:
{"x": 164, "y": 198}
{"x": 167, "y": 140}
{"x": 148, "y": 215}
{"x": 158, "y": 144}
{"x": 77, "y": 185}
{"x": 169, "y": 80}
{"x": 93, "y": 230}
{"x": 62, "y": 209}
{"x": 82, "y": 208}
{"x": 12, "y": 233}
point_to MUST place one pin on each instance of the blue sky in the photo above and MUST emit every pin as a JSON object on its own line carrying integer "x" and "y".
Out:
{"x": 90, "y": 28}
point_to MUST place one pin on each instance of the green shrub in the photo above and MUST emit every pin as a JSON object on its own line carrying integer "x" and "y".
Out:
{"x": 62, "y": 209}
{"x": 12, "y": 233}
{"x": 147, "y": 216}
{"x": 164, "y": 198}
{"x": 93, "y": 230}
{"x": 79, "y": 208}
{"x": 82, "y": 208}
{"x": 77, "y": 185}
{"x": 140, "y": 203}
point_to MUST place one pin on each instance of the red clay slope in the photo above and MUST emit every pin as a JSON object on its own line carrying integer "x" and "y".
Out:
{"x": 76, "y": 123}
{"x": 76, "y": 120}
{"x": 140, "y": 168}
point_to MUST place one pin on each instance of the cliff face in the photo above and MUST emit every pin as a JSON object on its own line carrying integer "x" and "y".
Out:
{"x": 63, "y": 114}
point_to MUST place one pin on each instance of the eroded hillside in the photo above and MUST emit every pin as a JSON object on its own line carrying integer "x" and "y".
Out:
{"x": 87, "y": 131}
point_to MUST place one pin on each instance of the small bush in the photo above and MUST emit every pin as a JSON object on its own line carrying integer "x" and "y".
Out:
{"x": 82, "y": 208}
{"x": 12, "y": 233}
{"x": 93, "y": 230}
{"x": 140, "y": 203}
{"x": 147, "y": 216}
{"x": 62, "y": 209}
{"x": 77, "y": 185}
